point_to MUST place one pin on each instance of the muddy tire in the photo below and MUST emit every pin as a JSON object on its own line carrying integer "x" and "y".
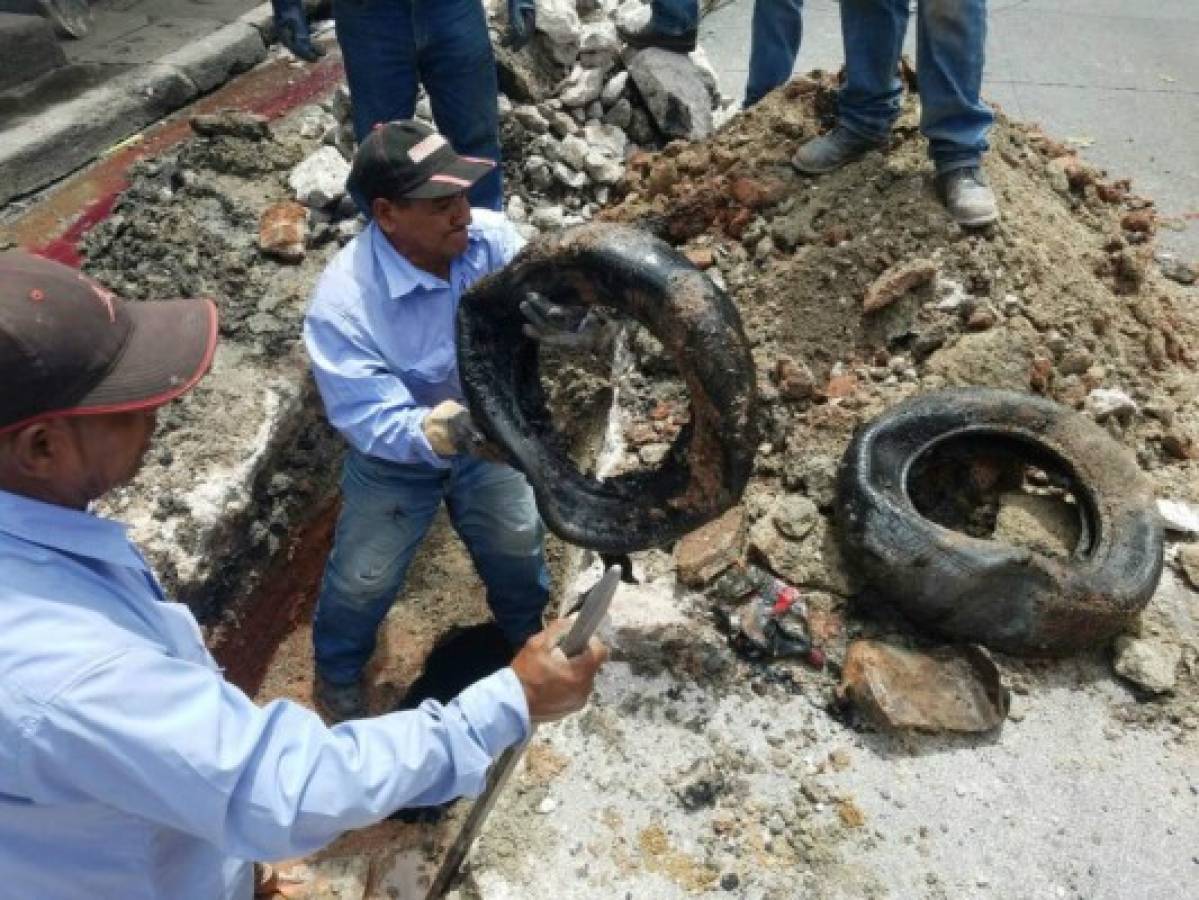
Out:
{"x": 1010, "y": 598}
{"x": 625, "y": 269}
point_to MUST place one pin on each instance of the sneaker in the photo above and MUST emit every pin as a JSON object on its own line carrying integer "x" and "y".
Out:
{"x": 649, "y": 36}
{"x": 340, "y": 702}
{"x": 968, "y": 197}
{"x": 833, "y": 150}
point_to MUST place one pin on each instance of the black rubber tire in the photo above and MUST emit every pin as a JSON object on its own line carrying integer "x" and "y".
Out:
{"x": 1010, "y": 598}
{"x": 625, "y": 269}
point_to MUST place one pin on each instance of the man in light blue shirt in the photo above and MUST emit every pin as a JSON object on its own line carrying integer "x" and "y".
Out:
{"x": 380, "y": 332}
{"x": 129, "y": 768}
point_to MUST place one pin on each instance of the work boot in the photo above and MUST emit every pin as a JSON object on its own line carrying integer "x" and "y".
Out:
{"x": 831, "y": 151}
{"x": 649, "y": 36}
{"x": 340, "y": 702}
{"x": 968, "y": 197}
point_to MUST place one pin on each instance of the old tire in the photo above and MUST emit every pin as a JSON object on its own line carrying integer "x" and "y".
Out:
{"x": 1009, "y": 598}
{"x": 625, "y": 269}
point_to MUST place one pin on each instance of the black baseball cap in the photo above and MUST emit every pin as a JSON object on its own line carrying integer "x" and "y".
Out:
{"x": 408, "y": 159}
{"x": 68, "y": 347}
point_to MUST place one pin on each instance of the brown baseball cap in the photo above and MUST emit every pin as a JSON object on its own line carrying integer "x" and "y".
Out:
{"x": 68, "y": 347}
{"x": 408, "y": 159}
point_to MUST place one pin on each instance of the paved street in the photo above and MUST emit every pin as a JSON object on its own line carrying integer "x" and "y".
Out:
{"x": 1121, "y": 76}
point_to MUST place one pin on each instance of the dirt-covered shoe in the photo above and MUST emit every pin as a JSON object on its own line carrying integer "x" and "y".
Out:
{"x": 968, "y": 197}
{"x": 831, "y": 151}
{"x": 649, "y": 36}
{"x": 340, "y": 702}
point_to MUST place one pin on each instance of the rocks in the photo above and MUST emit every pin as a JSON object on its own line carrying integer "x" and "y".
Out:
{"x": 614, "y": 88}
{"x": 283, "y": 231}
{"x": 706, "y": 552}
{"x": 531, "y": 119}
{"x": 320, "y": 180}
{"x": 607, "y": 139}
{"x": 1175, "y": 269}
{"x": 795, "y": 516}
{"x": 898, "y": 281}
{"x": 947, "y": 689}
{"x": 795, "y": 381}
{"x": 675, "y": 92}
{"x": 582, "y": 86}
{"x": 231, "y": 123}
{"x": 1104, "y": 403}
{"x": 558, "y": 24}
{"x": 1188, "y": 561}
{"x": 1148, "y": 663}
{"x": 599, "y": 45}
{"x": 1179, "y": 517}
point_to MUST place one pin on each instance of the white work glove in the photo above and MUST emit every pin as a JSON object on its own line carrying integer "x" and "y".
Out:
{"x": 569, "y": 327}
{"x": 449, "y": 430}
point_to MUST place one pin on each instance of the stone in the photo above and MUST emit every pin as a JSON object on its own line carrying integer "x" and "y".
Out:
{"x": 614, "y": 87}
{"x": 813, "y": 562}
{"x": 558, "y": 24}
{"x": 547, "y": 218}
{"x": 232, "y": 123}
{"x": 1188, "y": 561}
{"x": 599, "y": 45}
{"x": 595, "y": 110}
{"x": 1148, "y": 663}
{"x": 561, "y": 124}
{"x": 516, "y": 209}
{"x": 795, "y": 516}
{"x": 530, "y": 119}
{"x": 283, "y": 231}
{"x": 996, "y": 358}
{"x": 573, "y": 151}
{"x": 1179, "y": 516}
{"x": 896, "y": 282}
{"x": 674, "y": 90}
{"x": 794, "y": 379}
{"x": 631, "y": 15}
{"x": 706, "y": 552}
{"x": 1180, "y": 445}
{"x": 320, "y": 180}
{"x": 602, "y": 169}
{"x": 1176, "y": 270}
{"x": 581, "y": 87}
{"x": 607, "y": 139}
{"x": 340, "y": 104}
{"x": 620, "y": 115}
{"x": 28, "y": 47}
{"x": 815, "y": 474}
{"x": 641, "y": 127}
{"x": 1103, "y": 403}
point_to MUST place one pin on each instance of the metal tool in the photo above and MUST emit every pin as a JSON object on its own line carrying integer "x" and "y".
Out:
{"x": 594, "y": 608}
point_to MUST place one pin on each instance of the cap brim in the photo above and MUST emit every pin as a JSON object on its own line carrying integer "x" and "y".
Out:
{"x": 452, "y": 179}
{"x": 169, "y": 349}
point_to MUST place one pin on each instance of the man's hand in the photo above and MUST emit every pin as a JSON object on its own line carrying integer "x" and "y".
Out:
{"x": 569, "y": 327}
{"x": 449, "y": 429}
{"x": 556, "y": 686}
{"x": 292, "y": 25}
{"x": 522, "y": 22}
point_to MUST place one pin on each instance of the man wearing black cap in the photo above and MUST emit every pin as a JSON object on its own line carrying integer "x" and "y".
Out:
{"x": 128, "y": 766}
{"x": 380, "y": 331}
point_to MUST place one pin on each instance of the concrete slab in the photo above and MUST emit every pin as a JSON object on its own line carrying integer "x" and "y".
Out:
{"x": 28, "y": 47}
{"x": 212, "y": 60}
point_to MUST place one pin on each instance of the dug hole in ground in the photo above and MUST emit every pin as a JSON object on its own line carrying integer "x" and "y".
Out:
{"x": 694, "y": 772}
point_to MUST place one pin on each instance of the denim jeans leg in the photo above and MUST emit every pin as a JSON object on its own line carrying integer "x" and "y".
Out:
{"x": 379, "y": 53}
{"x": 385, "y": 513}
{"x": 951, "y": 51}
{"x": 774, "y": 44}
{"x": 457, "y": 68}
{"x": 675, "y": 16}
{"x": 872, "y": 32}
{"x": 493, "y": 510}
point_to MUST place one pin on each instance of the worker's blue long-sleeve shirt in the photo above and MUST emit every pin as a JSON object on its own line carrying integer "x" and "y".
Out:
{"x": 380, "y": 333}
{"x": 130, "y": 768}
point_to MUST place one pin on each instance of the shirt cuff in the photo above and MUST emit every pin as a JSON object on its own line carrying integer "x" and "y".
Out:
{"x": 497, "y": 711}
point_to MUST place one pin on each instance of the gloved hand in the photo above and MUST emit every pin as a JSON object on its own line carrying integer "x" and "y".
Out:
{"x": 522, "y": 22}
{"x": 569, "y": 327}
{"x": 449, "y": 430}
{"x": 292, "y": 25}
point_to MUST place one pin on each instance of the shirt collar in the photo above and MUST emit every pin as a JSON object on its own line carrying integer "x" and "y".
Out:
{"x": 402, "y": 277}
{"x": 69, "y": 530}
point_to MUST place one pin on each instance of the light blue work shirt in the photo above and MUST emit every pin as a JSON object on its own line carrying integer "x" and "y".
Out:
{"x": 129, "y": 768}
{"x": 380, "y": 333}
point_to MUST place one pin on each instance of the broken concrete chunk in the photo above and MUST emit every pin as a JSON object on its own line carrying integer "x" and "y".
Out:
{"x": 1179, "y": 516}
{"x": 1188, "y": 561}
{"x": 558, "y": 24}
{"x": 898, "y": 281}
{"x": 582, "y": 86}
{"x": 614, "y": 88}
{"x": 531, "y": 119}
{"x": 706, "y": 552}
{"x": 795, "y": 516}
{"x": 607, "y": 139}
{"x": 283, "y": 231}
{"x": 947, "y": 689}
{"x": 599, "y": 45}
{"x": 675, "y": 91}
{"x": 232, "y": 123}
{"x": 1148, "y": 663}
{"x": 1103, "y": 403}
{"x": 320, "y": 180}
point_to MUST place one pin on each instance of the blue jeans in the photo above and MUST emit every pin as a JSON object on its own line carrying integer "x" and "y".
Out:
{"x": 950, "y": 40}
{"x": 392, "y": 46}
{"x": 774, "y": 44}
{"x": 386, "y": 511}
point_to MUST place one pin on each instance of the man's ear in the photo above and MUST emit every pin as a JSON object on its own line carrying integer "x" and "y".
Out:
{"x": 383, "y": 212}
{"x": 37, "y": 450}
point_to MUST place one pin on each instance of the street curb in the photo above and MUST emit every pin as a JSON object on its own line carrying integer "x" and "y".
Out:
{"x": 72, "y": 134}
